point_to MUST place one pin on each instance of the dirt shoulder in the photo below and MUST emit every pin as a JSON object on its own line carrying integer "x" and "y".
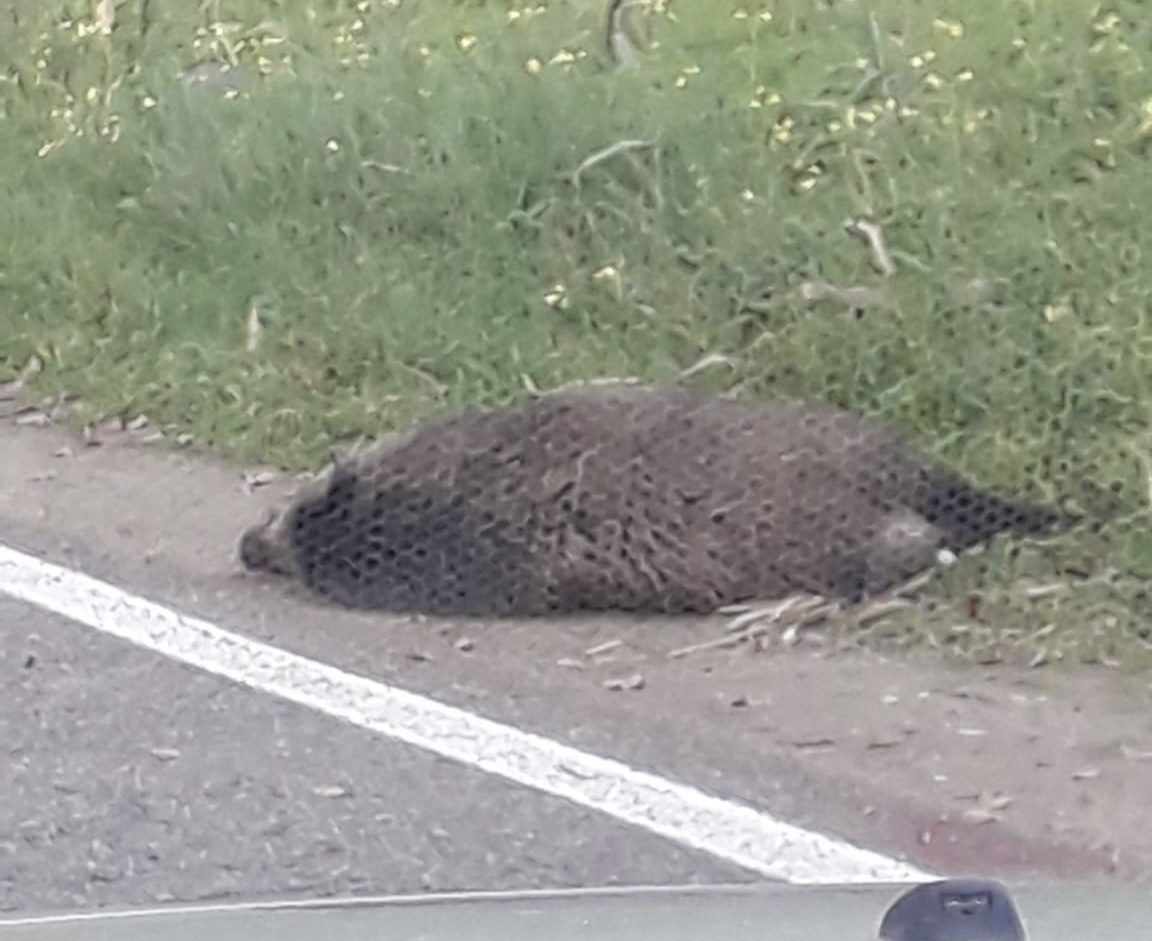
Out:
{"x": 1003, "y": 770}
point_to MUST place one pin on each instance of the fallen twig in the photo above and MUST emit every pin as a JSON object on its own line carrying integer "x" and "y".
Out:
{"x": 730, "y": 640}
{"x": 796, "y": 612}
{"x": 712, "y": 359}
{"x": 602, "y": 648}
{"x": 620, "y": 147}
{"x": 773, "y": 613}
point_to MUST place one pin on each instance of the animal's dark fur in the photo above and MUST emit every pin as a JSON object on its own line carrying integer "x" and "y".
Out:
{"x": 628, "y": 498}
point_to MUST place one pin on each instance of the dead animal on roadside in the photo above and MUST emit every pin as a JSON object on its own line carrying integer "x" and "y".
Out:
{"x": 631, "y": 498}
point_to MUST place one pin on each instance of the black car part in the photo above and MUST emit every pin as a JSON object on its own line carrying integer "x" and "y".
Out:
{"x": 953, "y": 910}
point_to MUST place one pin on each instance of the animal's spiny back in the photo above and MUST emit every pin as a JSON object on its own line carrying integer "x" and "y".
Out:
{"x": 623, "y": 497}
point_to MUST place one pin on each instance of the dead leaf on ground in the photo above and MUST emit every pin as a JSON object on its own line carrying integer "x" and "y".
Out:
{"x": 618, "y": 684}
{"x": 807, "y": 743}
{"x": 854, "y": 297}
{"x": 33, "y": 418}
{"x": 989, "y": 808}
{"x": 981, "y": 815}
{"x": 883, "y": 743}
{"x": 105, "y": 19}
{"x": 254, "y": 330}
{"x": 255, "y": 479}
{"x": 873, "y": 235}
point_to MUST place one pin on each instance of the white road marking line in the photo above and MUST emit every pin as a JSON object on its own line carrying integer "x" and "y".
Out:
{"x": 726, "y": 830}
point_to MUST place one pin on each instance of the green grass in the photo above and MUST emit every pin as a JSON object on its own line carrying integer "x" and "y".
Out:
{"x": 400, "y": 220}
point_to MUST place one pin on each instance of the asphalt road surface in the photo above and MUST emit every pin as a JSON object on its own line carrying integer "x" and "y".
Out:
{"x": 135, "y": 780}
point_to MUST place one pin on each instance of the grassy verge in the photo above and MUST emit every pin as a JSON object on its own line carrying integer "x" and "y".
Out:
{"x": 412, "y": 206}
